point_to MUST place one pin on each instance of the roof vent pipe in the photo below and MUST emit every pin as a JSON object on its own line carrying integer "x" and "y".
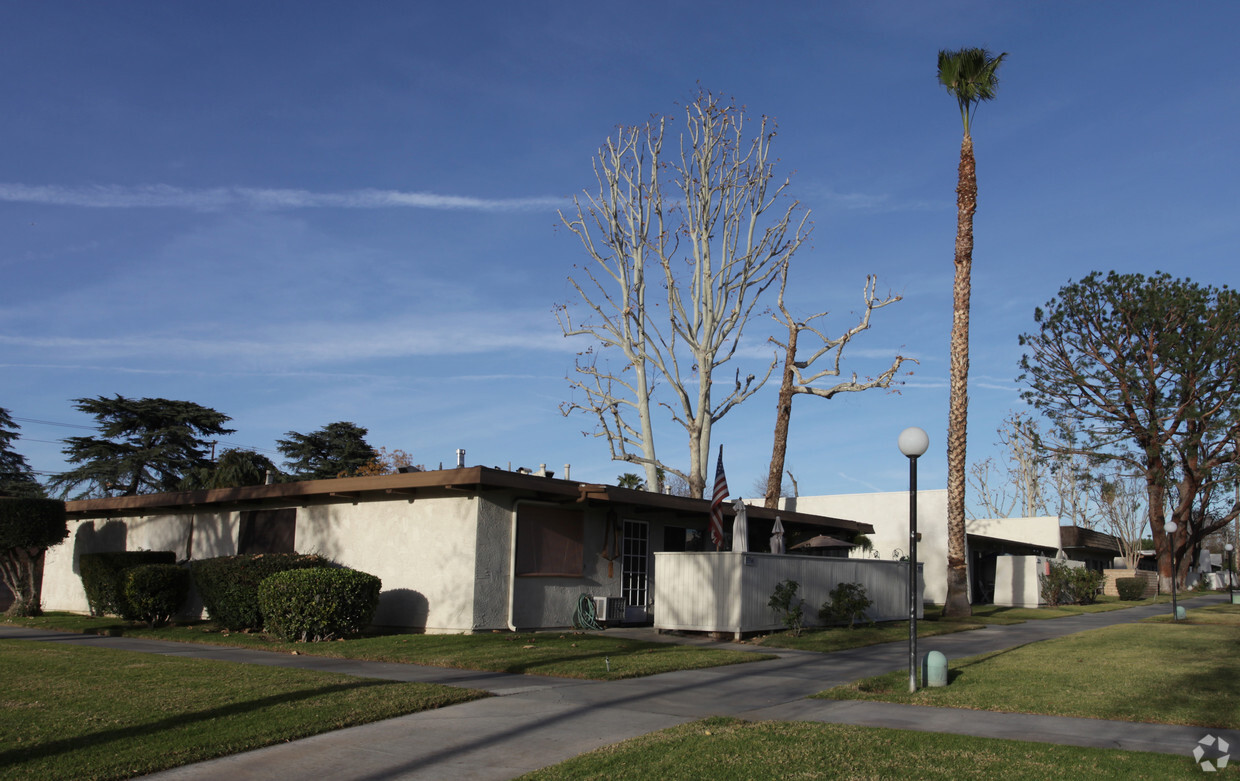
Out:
{"x": 460, "y": 458}
{"x": 566, "y": 466}
{"x": 269, "y": 478}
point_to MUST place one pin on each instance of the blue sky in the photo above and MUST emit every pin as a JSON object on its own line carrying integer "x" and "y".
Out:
{"x": 298, "y": 213}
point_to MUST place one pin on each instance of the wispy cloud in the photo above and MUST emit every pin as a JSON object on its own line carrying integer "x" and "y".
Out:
{"x": 859, "y": 481}
{"x": 869, "y": 202}
{"x": 316, "y": 343}
{"x": 160, "y": 196}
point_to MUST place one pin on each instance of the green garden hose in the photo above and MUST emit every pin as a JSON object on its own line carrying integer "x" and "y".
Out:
{"x": 585, "y": 617}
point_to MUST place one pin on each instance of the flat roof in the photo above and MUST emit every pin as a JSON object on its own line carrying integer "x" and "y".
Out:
{"x": 409, "y": 484}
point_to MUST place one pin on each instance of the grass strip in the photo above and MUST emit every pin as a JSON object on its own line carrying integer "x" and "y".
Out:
{"x": 725, "y": 749}
{"x": 68, "y": 712}
{"x": 841, "y": 639}
{"x": 1185, "y": 673}
{"x": 560, "y": 654}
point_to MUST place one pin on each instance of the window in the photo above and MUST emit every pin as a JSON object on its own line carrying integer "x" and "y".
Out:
{"x": 267, "y": 531}
{"x": 549, "y": 541}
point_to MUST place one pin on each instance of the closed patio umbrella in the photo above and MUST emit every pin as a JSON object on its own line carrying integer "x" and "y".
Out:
{"x": 777, "y": 537}
{"x": 740, "y": 528}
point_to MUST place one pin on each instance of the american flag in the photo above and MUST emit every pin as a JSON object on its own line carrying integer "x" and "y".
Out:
{"x": 716, "y": 503}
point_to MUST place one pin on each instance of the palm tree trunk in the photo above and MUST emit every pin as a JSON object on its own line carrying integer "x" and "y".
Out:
{"x": 957, "y": 603}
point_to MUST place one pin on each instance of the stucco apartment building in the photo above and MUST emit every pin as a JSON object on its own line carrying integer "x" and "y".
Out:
{"x": 458, "y": 550}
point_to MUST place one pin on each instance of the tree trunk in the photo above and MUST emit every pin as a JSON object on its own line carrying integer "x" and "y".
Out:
{"x": 957, "y": 603}
{"x": 783, "y": 416}
{"x": 20, "y": 569}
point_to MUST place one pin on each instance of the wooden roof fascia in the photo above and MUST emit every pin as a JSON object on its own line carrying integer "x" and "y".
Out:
{"x": 465, "y": 479}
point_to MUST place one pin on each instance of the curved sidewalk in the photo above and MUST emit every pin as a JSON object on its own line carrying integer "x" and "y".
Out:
{"x": 537, "y": 721}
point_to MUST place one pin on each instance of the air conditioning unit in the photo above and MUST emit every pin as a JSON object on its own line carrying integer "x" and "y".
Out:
{"x": 609, "y": 610}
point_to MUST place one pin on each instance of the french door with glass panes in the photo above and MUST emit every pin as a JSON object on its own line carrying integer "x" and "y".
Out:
{"x": 634, "y": 562}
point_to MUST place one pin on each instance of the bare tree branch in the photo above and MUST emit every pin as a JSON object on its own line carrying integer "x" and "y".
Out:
{"x": 719, "y": 232}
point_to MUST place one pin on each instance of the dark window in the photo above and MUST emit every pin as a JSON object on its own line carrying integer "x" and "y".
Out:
{"x": 549, "y": 541}
{"x": 267, "y": 531}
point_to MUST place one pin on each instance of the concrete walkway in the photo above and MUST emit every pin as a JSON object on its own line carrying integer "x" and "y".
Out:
{"x": 538, "y": 721}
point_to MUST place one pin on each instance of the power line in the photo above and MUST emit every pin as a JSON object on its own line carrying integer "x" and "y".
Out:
{"x": 52, "y": 423}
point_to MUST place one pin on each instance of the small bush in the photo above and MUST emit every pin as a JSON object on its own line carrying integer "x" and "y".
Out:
{"x": 310, "y": 605}
{"x": 155, "y": 592}
{"x": 228, "y": 585}
{"x": 103, "y": 578}
{"x": 1084, "y": 585}
{"x": 790, "y": 609}
{"x": 1130, "y": 588}
{"x": 848, "y": 602}
{"x": 1070, "y": 585}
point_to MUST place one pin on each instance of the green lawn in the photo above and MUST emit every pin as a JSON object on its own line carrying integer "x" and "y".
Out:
{"x": 562, "y": 654}
{"x": 994, "y": 614}
{"x": 1154, "y": 671}
{"x": 729, "y": 749}
{"x": 68, "y": 712}
{"x": 841, "y": 638}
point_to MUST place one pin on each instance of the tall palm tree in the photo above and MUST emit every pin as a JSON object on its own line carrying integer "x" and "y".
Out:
{"x": 971, "y": 76}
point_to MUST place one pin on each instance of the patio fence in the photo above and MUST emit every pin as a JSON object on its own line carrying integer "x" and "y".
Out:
{"x": 728, "y": 592}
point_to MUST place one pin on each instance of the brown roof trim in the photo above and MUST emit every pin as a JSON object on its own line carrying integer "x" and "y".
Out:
{"x": 1080, "y": 538}
{"x": 406, "y": 485}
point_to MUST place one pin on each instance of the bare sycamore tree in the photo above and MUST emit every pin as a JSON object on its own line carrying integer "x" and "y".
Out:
{"x": 1121, "y": 500}
{"x": 1040, "y": 475}
{"x": 799, "y": 377}
{"x": 1019, "y": 484}
{"x": 709, "y": 224}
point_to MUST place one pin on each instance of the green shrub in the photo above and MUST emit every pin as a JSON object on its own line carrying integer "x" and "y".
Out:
{"x": 1130, "y": 588}
{"x": 156, "y": 592}
{"x": 1084, "y": 585}
{"x": 848, "y": 602}
{"x": 103, "y": 578}
{"x": 1066, "y": 585}
{"x": 228, "y": 585}
{"x": 309, "y": 605}
{"x": 790, "y": 609}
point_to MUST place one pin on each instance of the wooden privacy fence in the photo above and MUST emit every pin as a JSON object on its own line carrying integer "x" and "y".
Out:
{"x": 728, "y": 592}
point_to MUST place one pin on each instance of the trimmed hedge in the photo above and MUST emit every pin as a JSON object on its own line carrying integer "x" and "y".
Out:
{"x": 1130, "y": 589}
{"x": 28, "y": 526}
{"x": 311, "y": 605}
{"x": 31, "y": 522}
{"x": 228, "y": 585}
{"x": 155, "y": 592}
{"x": 103, "y": 578}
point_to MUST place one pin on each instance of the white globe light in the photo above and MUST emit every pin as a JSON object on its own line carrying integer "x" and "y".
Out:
{"x": 1228, "y": 547}
{"x": 1171, "y": 527}
{"x": 913, "y": 442}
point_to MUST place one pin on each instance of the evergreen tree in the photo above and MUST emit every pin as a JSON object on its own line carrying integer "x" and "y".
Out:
{"x": 145, "y": 446}
{"x": 336, "y": 450}
{"x": 233, "y": 468}
{"x": 16, "y": 477}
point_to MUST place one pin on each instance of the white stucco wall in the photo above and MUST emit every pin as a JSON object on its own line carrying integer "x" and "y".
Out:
{"x": 1038, "y": 530}
{"x": 551, "y": 601}
{"x": 422, "y": 550}
{"x": 62, "y": 586}
{"x": 888, "y": 513}
{"x": 1016, "y": 580}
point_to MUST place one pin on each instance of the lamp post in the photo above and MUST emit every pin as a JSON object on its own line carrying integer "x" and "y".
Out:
{"x": 1170, "y": 527}
{"x": 1231, "y": 575}
{"x": 913, "y": 442}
